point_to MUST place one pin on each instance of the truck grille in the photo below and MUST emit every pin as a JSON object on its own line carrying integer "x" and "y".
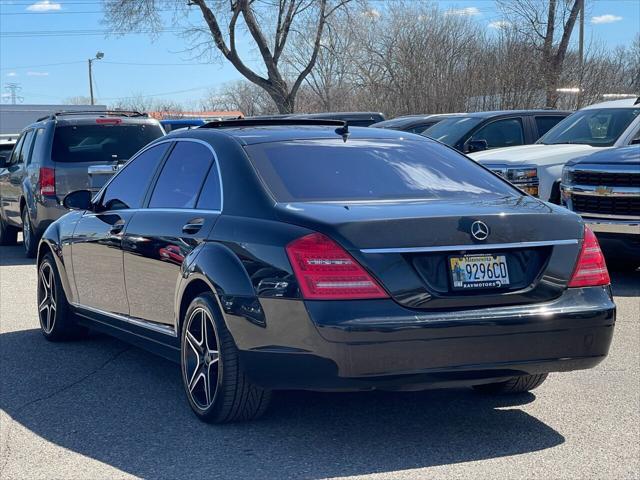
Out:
{"x": 629, "y": 206}
{"x": 609, "y": 179}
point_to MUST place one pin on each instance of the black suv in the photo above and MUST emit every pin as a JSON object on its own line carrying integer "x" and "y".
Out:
{"x": 60, "y": 153}
{"x": 302, "y": 254}
{"x": 473, "y": 132}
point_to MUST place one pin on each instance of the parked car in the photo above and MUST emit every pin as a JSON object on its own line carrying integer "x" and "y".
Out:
{"x": 60, "y": 153}
{"x": 171, "y": 124}
{"x": 597, "y": 127}
{"x": 414, "y": 123}
{"x": 7, "y": 142}
{"x": 354, "y": 119}
{"x": 322, "y": 257}
{"x": 605, "y": 189}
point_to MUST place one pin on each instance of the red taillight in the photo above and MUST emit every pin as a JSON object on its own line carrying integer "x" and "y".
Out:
{"x": 591, "y": 269}
{"x": 47, "y": 181}
{"x": 325, "y": 271}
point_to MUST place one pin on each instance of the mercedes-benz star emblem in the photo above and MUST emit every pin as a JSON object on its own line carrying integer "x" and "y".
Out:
{"x": 479, "y": 230}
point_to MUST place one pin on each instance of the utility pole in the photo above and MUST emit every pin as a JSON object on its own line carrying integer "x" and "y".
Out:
{"x": 13, "y": 89}
{"x": 581, "y": 52}
{"x": 99, "y": 56}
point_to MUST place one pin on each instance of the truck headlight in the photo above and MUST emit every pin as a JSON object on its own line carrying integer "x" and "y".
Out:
{"x": 525, "y": 178}
{"x": 566, "y": 176}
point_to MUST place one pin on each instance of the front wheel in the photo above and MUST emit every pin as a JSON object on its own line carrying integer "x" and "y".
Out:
{"x": 29, "y": 239}
{"x": 521, "y": 384}
{"x": 216, "y": 386}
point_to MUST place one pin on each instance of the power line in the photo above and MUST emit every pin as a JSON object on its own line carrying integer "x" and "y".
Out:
{"x": 41, "y": 65}
{"x": 80, "y": 33}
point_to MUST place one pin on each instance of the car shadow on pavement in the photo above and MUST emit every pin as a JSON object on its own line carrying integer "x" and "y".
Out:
{"x": 625, "y": 284}
{"x": 124, "y": 407}
{"x": 10, "y": 256}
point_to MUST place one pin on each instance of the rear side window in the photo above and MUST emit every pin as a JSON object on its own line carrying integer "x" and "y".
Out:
{"x": 371, "y": 169}
{"x": 211, "y": 195}
{"x": 545, "y": 124}
{"x": 16, "y": 150}
{"x": 101, "y": 143}
{"x": 38, "y": 146}
{"x": 26, "y": 147}
{"x": 182, "y": 176}
{"x": 128, "y": 187}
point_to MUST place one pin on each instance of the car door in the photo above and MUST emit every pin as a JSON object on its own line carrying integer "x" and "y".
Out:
{"x": 16, "y": 173}
{"x": 7, "y": 193}
{"x": 97, "y": 241}
{"x": 182, "y": 209}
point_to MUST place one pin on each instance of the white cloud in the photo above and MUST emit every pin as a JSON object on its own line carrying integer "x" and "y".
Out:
{"x": 44, "y": 6}
{"x": 464, "y": 12}
{"x": 608, "y": 18}
{"x": 12, "y": 74}
{"x": 499, "y": 24}
{"x": 38, "y": 74}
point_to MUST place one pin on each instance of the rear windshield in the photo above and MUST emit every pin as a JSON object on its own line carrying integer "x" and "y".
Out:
{"x": 101, "y": 143}
{"x": 371, "y": 169}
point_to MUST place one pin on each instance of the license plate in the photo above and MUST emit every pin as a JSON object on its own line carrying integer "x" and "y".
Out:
{"x": 469, "y": 272}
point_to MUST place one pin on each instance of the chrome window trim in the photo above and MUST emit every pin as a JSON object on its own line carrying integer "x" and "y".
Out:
{"x": 156, "y": 327}
{"x": 166, "y": 140}
{"x": 473, "y": 247}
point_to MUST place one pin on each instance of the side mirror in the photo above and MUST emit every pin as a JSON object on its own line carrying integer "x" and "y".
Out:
{"x": 4, "y": 161}
{"x": 475, "y": 146}
{"x": 78, "y": 200}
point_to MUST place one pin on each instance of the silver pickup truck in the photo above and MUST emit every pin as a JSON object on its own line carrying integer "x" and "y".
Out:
{"x": 605, "y": 189}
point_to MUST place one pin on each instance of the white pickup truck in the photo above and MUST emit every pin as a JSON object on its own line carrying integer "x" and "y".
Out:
{"x": 592, "y": 129}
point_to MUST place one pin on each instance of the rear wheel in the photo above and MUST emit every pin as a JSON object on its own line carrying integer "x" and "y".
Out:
{"x": 29, "y": 240}
{"x": 8, "y": 234}
{"x": 54, "y": 312}
{"x": 521, "y": 384}
{"x": 216, "y": 386}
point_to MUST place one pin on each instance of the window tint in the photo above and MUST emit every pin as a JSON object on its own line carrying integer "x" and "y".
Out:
{"x": 182, "y": 176}
{"x": 545, "y": 124}
{"x": 16, "y": 150}
{"x": 38, "y": 146}
{"x": 26, "y": 147}
{"x": 374, "y": 169}
{"x": 101, "y": 142}
{"x": 211, "y": 196}
{"x": 130, "y": 184}
{"x": 501, "y": 133}
{"x": 598, "y": 127}
{"x": 452, "y": 130}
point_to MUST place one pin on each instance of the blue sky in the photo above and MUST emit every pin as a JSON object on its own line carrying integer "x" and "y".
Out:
{"x": 52, "y": 68}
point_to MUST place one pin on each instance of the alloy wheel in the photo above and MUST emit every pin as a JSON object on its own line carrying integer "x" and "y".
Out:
{"x": 200, "y": 358}
{"x": 47, "y": 301}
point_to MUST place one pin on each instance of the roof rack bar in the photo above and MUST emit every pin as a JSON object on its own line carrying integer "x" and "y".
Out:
{"x": 123, "y": 113}
{"x": 273, "y": 122}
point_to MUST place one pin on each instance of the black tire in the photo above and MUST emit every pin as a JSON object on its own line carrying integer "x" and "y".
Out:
{"x": 8, "y": 234}
{"x": 215, "y": 384}
{"x": 521, "y": 384}
{"x": 57, "y": 321}
{"x": 29, "y": 240}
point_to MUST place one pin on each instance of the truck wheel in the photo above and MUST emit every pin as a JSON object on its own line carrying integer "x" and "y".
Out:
{"x": 216, "y": 386}
{"x": 521, "y": 384}
{"x": 29, "y": 240}
{"x": 8, "y": 234}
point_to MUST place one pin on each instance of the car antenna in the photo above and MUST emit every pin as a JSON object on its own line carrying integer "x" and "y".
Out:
{"x": 344, "y": 131}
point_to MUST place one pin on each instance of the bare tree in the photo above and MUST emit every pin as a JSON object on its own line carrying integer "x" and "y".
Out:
{"x": 548, "y": 25}
{"x": 269, "y": 23}
{"x": 242, "y": 96}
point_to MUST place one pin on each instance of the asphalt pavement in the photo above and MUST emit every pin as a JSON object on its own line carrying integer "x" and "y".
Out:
{"x": 100, "y": 409}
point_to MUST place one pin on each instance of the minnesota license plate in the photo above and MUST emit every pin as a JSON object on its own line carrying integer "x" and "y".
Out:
{"x": 470, "y": 272}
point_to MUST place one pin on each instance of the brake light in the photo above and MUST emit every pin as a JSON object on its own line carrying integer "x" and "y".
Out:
{"x": 47, "y": 181}
{"x": 108, "y": 121}
{"x": 591, "y": 269}
{"x": 325, "y": 271}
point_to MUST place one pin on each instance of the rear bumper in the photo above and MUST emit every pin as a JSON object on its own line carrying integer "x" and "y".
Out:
{"x": 621, "y": 227}
{"x": 377, "y": 344}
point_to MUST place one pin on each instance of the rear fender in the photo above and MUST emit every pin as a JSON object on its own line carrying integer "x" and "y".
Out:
{"x": 50, "y": 242}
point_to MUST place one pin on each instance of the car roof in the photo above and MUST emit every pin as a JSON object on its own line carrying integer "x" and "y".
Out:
{"x": 630, "y": 152}
{"x": 251, "y": 135}
{"x": 498, "y": 113}
{"x": 410, "y": 119}
{"x": 624, "y": 103}
{"x": 183, "y": 121}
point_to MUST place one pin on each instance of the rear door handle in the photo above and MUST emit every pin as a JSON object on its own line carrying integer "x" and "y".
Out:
{"x": 193, "y": 226}
{"x": 117, "y": 227}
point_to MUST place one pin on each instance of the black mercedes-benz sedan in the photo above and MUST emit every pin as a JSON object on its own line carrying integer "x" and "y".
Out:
{"x": 303, "y": 254}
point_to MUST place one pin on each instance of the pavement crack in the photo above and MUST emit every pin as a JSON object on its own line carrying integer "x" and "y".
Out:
{"x": 62, "y": 389}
